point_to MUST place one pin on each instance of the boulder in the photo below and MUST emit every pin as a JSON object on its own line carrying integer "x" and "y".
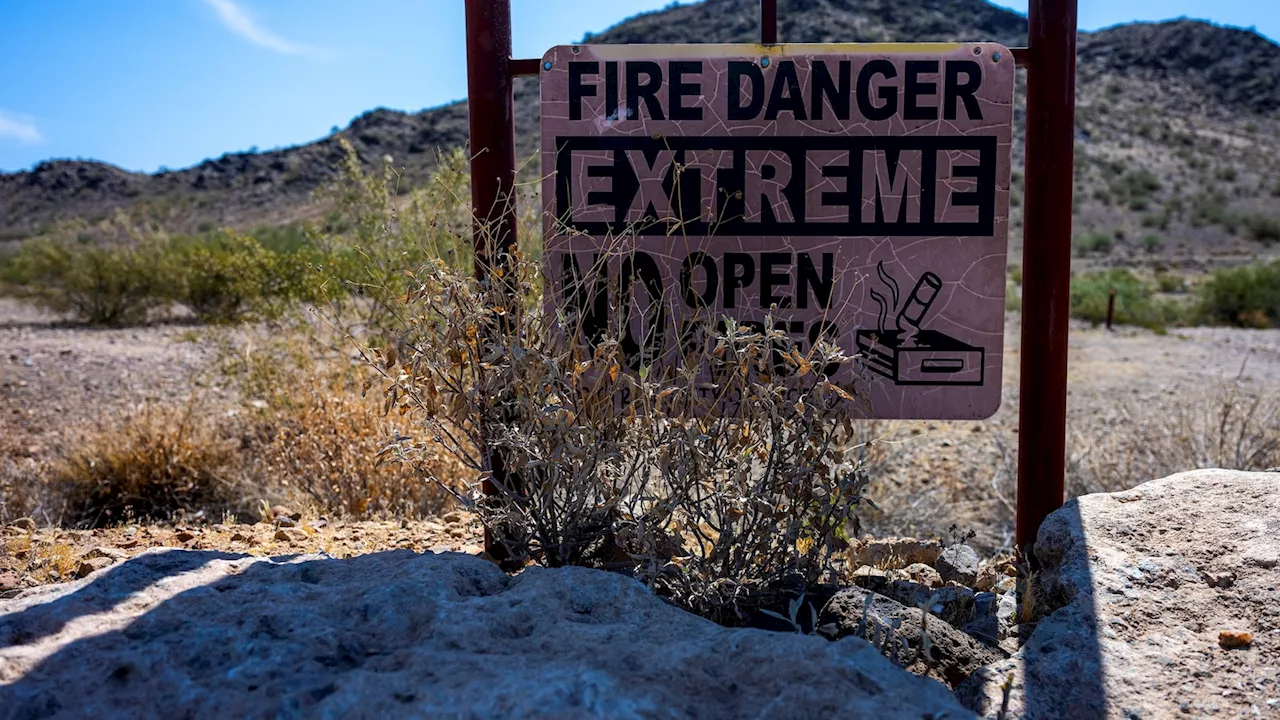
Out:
{"x": 958, "y": 563}
{"x": 178, "y": 633}
{"x": 1136, "y": 592}
{"x": 953, "y": 655}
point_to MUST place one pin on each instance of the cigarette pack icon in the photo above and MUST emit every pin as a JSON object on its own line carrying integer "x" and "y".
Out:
{"x": 912, "y": 356}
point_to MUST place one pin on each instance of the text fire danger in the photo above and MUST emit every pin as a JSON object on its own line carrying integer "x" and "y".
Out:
{"x": 857, "y": 194}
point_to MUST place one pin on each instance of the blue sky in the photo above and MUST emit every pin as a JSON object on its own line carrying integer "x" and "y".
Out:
{"x": 145, "y": 84}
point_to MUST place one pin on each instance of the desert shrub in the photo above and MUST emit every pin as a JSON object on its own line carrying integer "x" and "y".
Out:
{"x": 1226, "y": 427}
{"x": 1211, "y": 209}
{"x": 9, "y": 279}
{"x": 1093, "y": 243}
{"x": 112, "y": 281}
{"x": 232, "y": 277}
{"x": 1136, "y": 185}
{"x": 383, "y": 236}
{"x": 1134, "y": 303}
{"x": 156, "y": 465}
{"x": 597, "y": 458}
{"x": 1248, "y": 296}
{"x": 1013, "y": 298}
{"x": 312, "y": 432}
{"x": 224, "y": 279}
{"x": 1264, "y": 229}
{"x": 1171, "y": 283}
{"x": 1151, "y": 243}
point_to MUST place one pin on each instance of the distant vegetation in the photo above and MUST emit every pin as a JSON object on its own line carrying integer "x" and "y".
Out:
{"x": 120, "y": 271}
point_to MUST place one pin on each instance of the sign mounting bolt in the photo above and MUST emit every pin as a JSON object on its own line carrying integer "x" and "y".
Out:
{"x": 546, "y": 65}
{"x": 764, "y": 62}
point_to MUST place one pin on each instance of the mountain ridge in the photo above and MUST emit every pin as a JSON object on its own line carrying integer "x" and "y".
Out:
{"x": 1147, "y": 92}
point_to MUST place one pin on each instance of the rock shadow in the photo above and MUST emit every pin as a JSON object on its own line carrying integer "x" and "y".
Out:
{"x": 1058, "y": 671}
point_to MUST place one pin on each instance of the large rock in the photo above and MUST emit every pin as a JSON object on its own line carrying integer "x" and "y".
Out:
{"x": 200, "y": 634}
{"x": 1141, "y": 584}
{"x": 952, "y": 656}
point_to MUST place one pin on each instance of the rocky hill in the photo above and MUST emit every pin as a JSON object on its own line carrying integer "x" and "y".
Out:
{"x": 1178, "y": 145}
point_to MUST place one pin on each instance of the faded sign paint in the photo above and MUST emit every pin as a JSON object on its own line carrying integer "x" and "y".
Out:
{"x": 857, "y": 193}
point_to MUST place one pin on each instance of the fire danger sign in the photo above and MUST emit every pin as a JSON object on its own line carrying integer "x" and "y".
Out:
{"x": 857, "y": 194}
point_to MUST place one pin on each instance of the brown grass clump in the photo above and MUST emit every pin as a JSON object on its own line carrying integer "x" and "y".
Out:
{"x": 1228, "y": 427}
{"x": 160, "y": 463}
{"x": 316, "y": 435}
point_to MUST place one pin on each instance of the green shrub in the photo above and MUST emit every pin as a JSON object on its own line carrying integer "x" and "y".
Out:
{"x": 1248, "y": 296}
{"x": 1134, "y": 304}
{"x": 233, "y": 277}
{"x": 1263, "y": 229}
{"x": 112, "y": 284}
{"x": 1136, "y": 185}
{"x": 1012, "y": 298}
{"x": 224, "y": 280}
{"x": 1211, "y": 209}
{"x": 1171, "y": 283}
{"x": 1093, "y": 243}
{"x": 1151, "y": 243}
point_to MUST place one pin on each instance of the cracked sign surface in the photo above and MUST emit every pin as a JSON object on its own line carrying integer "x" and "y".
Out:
{"x": 854, "y": 193}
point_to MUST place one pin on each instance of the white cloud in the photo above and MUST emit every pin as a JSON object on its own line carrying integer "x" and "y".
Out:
{"x": 19, "y": 127}
{"x": 239, "y": 21}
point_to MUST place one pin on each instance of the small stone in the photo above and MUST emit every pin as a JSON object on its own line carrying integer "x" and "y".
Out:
{"x": 9, "y": 581}
{"x": 455, "y": 517}
{"x": 892, "y": 553}
{"x": 986, "y": 580}
{"x": 106, "y": 552}
{"x": 185, "y": 536}
{"x": 24, "y": 523}
{"x": 280, "y": 511}
{"x": 868, "y": 571}
{"x": 959, "y": 563}
{"x": 457, "y": 532}
{"x": 923, "y": 574}
{"x": 1235, "y": 639}
{"x": 285, "y": 521}
{"x": 1005, "y": 584}
{"x": 291, "y": 534}
{"x": 1007, "y": 608}
{"x": 239, "y": 537}
{"x": 93, "y": 565}
{"x": 1220, "y": 579}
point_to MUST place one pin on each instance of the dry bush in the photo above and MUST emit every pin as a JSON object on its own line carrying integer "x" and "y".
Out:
{"x": 161, "y": 463}
{"x": 311, "y": 432}
{"x": 598, "y": 458}
{"x": 1228, "y": 427}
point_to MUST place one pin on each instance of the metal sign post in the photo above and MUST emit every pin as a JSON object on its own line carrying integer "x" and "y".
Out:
{"x": 1046, "y": 263}
{"x": 1050, "y": 60}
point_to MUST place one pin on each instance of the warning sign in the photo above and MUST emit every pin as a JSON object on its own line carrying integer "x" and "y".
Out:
{"x": 852, "y": 193}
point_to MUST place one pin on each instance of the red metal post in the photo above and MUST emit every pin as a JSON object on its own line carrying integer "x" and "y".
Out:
{"x": 493, "y": 158}
{"x": 1046, "y": 262}
{"x": 493, "y": 136}
{"x": 768, "y": 22}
